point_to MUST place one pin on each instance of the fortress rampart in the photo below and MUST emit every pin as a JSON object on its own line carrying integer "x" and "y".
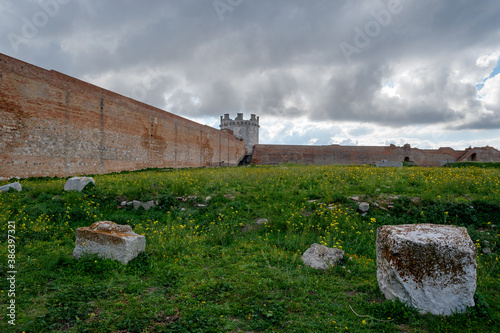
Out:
{"x": 55, "y": 125}
{"x": 335, "y": 154}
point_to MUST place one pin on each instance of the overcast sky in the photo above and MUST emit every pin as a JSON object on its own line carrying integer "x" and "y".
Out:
{"x": 356, "y": 72}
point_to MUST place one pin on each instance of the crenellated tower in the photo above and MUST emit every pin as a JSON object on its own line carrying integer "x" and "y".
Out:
{"x": 247, "y": 130}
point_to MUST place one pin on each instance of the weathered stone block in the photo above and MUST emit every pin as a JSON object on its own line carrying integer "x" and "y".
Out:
{"x": 430, "y": 267}
{"x": 7, "y": 187}
{"x": 109, "y": 240}
{"x": 77, "y": 183}
{"x": 261, "y": 221}
{"x": 388, "y": 164}
{"x": 321, "y": 257}
{"x": 364, "y": 206}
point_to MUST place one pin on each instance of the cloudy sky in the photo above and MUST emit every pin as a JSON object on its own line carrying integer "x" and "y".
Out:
{"x": 353, "y": 72}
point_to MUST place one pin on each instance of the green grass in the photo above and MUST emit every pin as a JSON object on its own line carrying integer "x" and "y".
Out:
{"x": 493, "y": 165}
{"x": 212, "y": 269}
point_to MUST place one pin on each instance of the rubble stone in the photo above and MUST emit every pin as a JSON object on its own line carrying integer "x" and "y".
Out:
{"x": 109, "y": 240}
{"x": 17, "y": 186}
{"x": 364, "y": 207}
{"x": 77, "y": 183}
{"x": 430, "y": 267}
{"x": 322, "y": 257}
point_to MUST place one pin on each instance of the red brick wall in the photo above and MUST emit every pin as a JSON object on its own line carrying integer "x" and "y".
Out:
{"x": 335, "y": 154}
{"x": 55, "y": 125}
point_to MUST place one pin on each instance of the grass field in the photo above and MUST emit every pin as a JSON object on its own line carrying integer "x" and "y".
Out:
{"x": 211, "y": 268}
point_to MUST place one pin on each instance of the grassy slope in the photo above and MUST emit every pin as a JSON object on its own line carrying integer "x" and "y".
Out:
{"x": 212, "y": 269}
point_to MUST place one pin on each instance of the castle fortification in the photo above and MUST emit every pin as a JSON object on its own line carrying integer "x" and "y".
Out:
{"x": 335, "y": 154}
{"x": 247, "y": 130}
{"x": 55, "y": 125}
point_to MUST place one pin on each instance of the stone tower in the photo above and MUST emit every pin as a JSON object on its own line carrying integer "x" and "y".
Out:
{"x": 247, "y": 130}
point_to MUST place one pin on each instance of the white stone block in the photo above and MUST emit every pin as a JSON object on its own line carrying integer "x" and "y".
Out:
{"x": 364, "y": 206}
{"x": 322, "y": 257}
{"x": 7, "y": 187}
{"x": 388, "y": 164}
{"x": 109, "y": 240}
{"x": 261, "y": 221}
{"x": 430, "y": 267}
{"x": 77, "y": 183}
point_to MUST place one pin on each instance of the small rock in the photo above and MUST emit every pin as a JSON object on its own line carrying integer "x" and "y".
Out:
{"x": 388, "y": 164}
{"x": 17, "y": 186}
{"x": 261, "y": 221}
{"x": 123, "y": 203}
{"x": 356, "y": 198}
{"x": 77, "y": 183}
{"x": 202, "y": 205}
{"x": 148, "y": 205}
{"x": 364, "y": 207}
{"x": 208, "y": 198}
{"x": 322, "y": 257}
{"x": 486, "y": 250}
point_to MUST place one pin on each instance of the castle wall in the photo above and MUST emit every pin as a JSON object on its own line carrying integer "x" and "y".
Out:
{"x": 335, "y": 154}
{"x": 55, "y": 125}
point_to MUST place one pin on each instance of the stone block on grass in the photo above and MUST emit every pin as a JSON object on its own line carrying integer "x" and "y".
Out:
{"x": 109, "y": 240}
{"x": 322, "y": 257}
{"x": 17, "y": 186}
{"x": 364, "y": 207}
{"x": 77, "y": 183}
{"x": 388, "y": 164}
{"x": 430, "y": 267}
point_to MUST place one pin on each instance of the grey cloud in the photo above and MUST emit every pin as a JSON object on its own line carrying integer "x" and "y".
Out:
{"x": 260, "y": 58}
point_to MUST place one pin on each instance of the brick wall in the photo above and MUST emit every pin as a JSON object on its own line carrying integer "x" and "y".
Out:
{"x": 335, "y": 154}
{"x": 55, "y": 125}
